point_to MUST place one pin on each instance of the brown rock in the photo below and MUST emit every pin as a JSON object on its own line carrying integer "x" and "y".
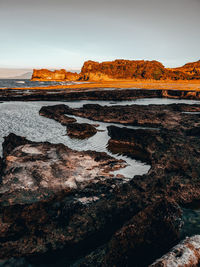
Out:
{"x": 81, "y": 130}
{"x": 136, "y": 69}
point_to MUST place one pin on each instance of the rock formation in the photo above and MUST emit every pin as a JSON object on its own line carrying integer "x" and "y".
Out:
{"x": 133, "y": 69}
{"x": 191, "y": 69}
{"x": 74, "y": 130}
{"x": 122, "y": 69}
{"x": 57, "y": 75}
{"x": 62, "y": 204}
{"x": 81, "y": 130}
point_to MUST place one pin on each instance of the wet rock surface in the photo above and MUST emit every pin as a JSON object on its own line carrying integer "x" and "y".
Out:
{"x": 64, "y": 207}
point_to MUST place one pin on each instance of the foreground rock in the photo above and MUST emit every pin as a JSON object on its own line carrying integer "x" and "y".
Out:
{"x": 44, "y": 193}
{"x": 154, "y": 229}
{"x": 60, "y": 203}
{"x": 140, "y": 236}
{"x": 185, "y": 254}
{"x": 173, "y": 176}
{"x": 54, "y": 198}
{"x": 41, "y": 169}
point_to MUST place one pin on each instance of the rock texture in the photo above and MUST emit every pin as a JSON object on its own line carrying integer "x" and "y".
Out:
{"x": 185, "y": 254}
{"x": 144, "y": 236}
{"x": 135, "y": 69}
{"x": 44, "y": 193}
{"x": 57, "y": 75}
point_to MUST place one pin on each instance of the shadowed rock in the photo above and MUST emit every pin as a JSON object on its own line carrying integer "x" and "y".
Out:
{"x": 155, "y": 227}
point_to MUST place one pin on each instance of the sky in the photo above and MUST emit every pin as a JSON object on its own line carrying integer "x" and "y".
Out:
{"x": 65, "y": 33}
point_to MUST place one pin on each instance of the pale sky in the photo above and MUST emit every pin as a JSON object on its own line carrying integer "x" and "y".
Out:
{"x": 65, "y": 33}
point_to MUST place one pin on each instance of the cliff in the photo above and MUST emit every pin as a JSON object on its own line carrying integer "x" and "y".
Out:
{"x": 123, "y": 70}
{"x": 57, "y": 75}
{"x": 192, "y": 69}
{"x": 137, "y": 69}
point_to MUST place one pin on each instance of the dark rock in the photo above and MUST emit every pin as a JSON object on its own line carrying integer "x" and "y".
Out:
{"x": 57, "y": 113}
{"x": 80, "y": 130}
{"x": 145, "y": 236}
{"x": 48, "y": 195}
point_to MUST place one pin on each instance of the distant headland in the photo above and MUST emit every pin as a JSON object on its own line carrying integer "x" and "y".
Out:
{"x": 122, "y": 70}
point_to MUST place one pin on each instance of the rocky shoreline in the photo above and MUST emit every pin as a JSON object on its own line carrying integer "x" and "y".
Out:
{"x": 56, "y": 201}
{"x": 94, "y": 94}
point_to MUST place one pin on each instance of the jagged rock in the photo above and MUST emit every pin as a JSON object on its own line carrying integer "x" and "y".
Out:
{"x": 185, "y": 254}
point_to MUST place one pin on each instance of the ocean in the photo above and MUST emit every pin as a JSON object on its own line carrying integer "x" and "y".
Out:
{"x": 17, "y": 83}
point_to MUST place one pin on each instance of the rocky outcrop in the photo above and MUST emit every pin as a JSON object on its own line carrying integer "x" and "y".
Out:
{"x": 57, "y": 113}
{"x": 185, "y": 254}
{"x": 132, "y": 69}
{"x": 167, "y": 116}
{"x": 192, "y": 69}
{"x": 74, "y": 130}
{"x": 44, "y": 193}
{"x": 81, "y": 130}
{"x": 55, "y": 201}
{"x": 57, "y": 75}
{"x": 122, "y": 69}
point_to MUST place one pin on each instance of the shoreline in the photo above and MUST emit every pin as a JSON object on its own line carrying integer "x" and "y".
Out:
{"x": 120, "y": 84}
